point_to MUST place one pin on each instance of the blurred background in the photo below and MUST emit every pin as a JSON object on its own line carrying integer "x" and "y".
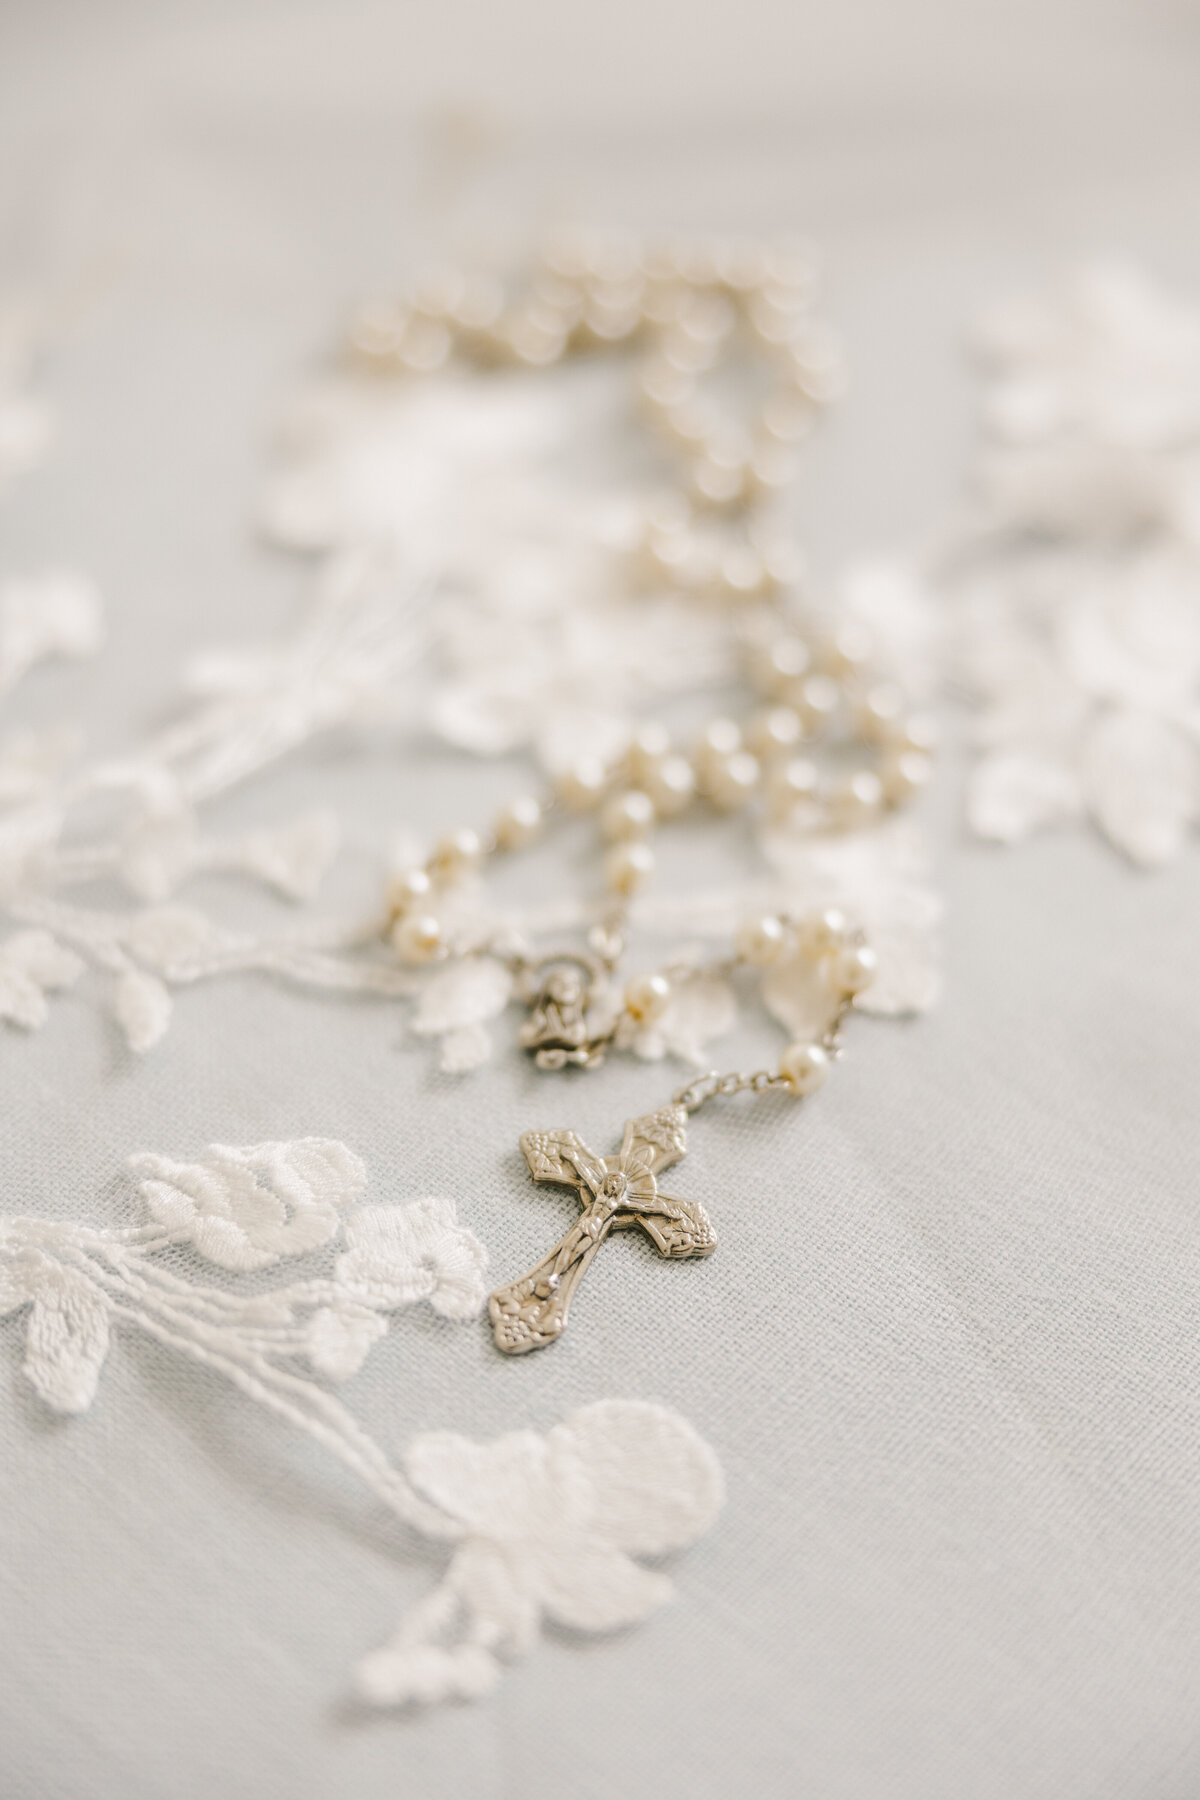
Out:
{"x": 228, "y": 177}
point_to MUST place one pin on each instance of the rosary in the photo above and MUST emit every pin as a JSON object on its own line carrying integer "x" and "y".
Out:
{"x": 828, "y": 746}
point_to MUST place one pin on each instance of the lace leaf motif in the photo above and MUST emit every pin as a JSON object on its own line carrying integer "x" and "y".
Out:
{"x": 541, "y": 1526}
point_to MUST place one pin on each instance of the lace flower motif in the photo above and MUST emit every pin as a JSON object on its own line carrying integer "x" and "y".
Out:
{"x": 552, "y": 1527}
{"x": 540, "y": 1527}
{"x": 880, "y": 880}
{"x": 1088, "y": 671}
{"x": 1092, "y": 408}
{"x": 456, "y": 1005}
{"x": 244, "y": 1209}
{"x": 240, "y": 1209}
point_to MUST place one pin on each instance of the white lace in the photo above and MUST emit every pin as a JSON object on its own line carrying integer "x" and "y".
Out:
{"x": 1081, "y": 607}
{"x": 541, "y": 1525}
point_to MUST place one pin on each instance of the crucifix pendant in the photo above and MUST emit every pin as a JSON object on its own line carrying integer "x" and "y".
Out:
{"x": 616, "y": 1193}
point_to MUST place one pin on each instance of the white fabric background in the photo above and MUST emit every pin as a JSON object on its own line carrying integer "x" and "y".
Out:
{"x": 949, "y": 1351}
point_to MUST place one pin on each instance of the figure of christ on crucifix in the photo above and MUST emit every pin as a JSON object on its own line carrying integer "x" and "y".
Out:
{"x": 616, "y": 1192}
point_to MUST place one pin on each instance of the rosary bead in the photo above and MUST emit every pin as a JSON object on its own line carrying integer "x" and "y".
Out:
{"x": 817, "y": 700}
{"x": 881, "y": 712}
{"x": 781, "y": 664}
{"x": 742, "y": 574}
{"x": 731, "y": 781}
{"x": 584, "y": 785}
{"x": 671, "y": 786}
{"x": 858, "y": 798}
{"x": 741, "y": 265}
{"x": 647, "y": 998}
{"x": 825, "y": 932}
{"x": 853, "y": 968}
{"x": 690, "y": 424}
{"x": 776, "y": 729}
{"x": 417, "y": 937}
{"x": 537, "y": 340}
{"x": 771, "y": 467}
{"x": 786, "y": 418}
{"x": 783, "y": 564}
{"x": 408, "y": 889}
{"x": 804, "y": 1067}
{"x": 519, "y": 823}
{"x": 791, "y": 784}
{"x": 663, "y": 386}
{"x": 718, "y": 481}
{"x": 377, "y": 331}
{"x": 437, "y": 293}
{"x": 426, "y": 346}
{"x": 648, "y": 746}
{"x": 627, "y": 816}
{"x": 761, "y": 941}
{"x": 455, "y": 856}
{"x": 904, "y": 775}
{"x": 479, "y": 307}
{"x": 628, "y": 867}
{"x": 610, "y": 322}
{"x": 915, "y": 733}
{"x": 720, "y": 738}
{"x": 848, "y": 650}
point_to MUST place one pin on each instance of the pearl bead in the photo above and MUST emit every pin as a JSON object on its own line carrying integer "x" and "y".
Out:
{"x": 455, "y": 856}
{"x": 378, "y": 330}
{"x": 826, "y": 931}
{"x": 584, "y": 785}
{"x": 426, "y": 346}
{"x": 783, "y": 563}
{"x": 741, "y": 570}
{"x": 791, "y": 784}
{"x": 648, "y": 746}
{"x": 848, "y": 650}
{"x": 858, "y": 797}
{"x": 519, "y": 823}
{"x": 537, "y": 341}
{"x": 732, "y": 780}
{"x": 610, "y": 321}
{"x": 786, "y": 418}
{"x": 905, "y": 775}
{"x": 437, "y": 293}
{"x": 804, "y": 1067}
{"x": 721, "y": 738}
{"x": 853, "y": 968}
{"x": 479, "y": 307}
{"x": 817, "y": 701}
{"x": 761, "y": 941}
{"x": 777, "y": 729}
{"x": 408, "y": 888}
{"x": 781, "y": 664}
{"x": 627, "y": 816}
{"x": 663, "y": 386}
{"x": 690, "y": 424}
{"x": 917, "y": 733}
{"x": 417, "y": 937}
{"x": 881, "y": 712}
{"x": 647, "y": 998}
{"x": 772, "y": 467}
{"x": 672, "y": 786}
{"x": 628, "y": 867}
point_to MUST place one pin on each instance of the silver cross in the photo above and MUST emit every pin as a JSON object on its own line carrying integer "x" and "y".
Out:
{"x": 616, "y": 1192}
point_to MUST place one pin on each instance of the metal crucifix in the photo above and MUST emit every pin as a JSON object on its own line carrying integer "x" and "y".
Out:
{"x": 616, "y": 1192}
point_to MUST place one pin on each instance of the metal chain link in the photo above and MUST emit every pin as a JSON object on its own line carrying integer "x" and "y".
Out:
{"x": 714, "y": 1086}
